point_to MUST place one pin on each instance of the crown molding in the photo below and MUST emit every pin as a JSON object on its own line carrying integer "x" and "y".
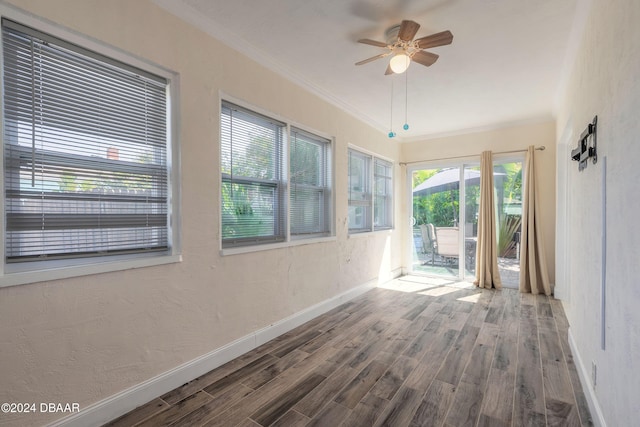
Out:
{"x": 234, "y": 41}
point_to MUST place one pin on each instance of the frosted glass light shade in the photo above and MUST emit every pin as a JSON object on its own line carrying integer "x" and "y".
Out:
{"x": 399, "y": 63}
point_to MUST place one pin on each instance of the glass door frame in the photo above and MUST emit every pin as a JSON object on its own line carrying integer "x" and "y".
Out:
{"x": 461, "y": 164}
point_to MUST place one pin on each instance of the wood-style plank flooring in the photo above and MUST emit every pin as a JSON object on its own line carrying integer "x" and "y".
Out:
{"x": 410, "y": 354}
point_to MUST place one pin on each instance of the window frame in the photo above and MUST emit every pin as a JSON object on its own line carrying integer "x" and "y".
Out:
{"x": 368, "y": 195}
{"x": 36, "y": 271}
{"x": 291, "y": 239}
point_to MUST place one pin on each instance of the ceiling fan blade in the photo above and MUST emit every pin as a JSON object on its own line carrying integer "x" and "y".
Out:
{"x": 389, "y": 70}
{"x": 424, "y": 58}
{"x": 435, "y": 40}
{"x": 372, "y": 42}
{"x": 373, "y": 58}
{"x": 408, "y": 29}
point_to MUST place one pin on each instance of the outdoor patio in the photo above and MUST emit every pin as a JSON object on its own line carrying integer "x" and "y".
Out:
{"x": 509, "y": 267}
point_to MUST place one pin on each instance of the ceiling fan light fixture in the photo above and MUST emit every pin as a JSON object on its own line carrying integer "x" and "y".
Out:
{"x": 399, "y": 63}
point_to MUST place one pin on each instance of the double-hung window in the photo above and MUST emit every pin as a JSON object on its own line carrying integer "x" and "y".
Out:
{"x": 267, "y": 195}
{"x": 253, "y": 190}
{"x": 370, "y": 193}
{"x": 86, "y": 153}
{"x": 310, "y": 184}
{"x": 382, "y": 198}
{"x": 360, "y": 196}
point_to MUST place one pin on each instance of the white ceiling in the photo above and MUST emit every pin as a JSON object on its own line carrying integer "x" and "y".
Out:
{"x": 505, "y": 64}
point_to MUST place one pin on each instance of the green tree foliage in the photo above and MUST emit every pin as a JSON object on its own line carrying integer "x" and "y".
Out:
{"x": 68, "y": 182}
{"x": 508, "y": 226}
{"x": 509, "y": 186}
{"x": 511, "y": 178}
{"x": 247, "y": 210}
{"x": 421, "y": 176}
{"x": 305, "y": 163}
{"x": 441, "y": 209}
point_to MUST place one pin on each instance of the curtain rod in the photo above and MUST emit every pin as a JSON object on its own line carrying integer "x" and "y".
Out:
{"x": 541, "y": 148}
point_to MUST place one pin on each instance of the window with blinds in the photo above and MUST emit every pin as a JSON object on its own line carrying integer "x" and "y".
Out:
{"x": 253, "y": 191}
{"x": 370, "y": 193}
{"x": 310, "y": 184}
{"x": 85, "y": 151}
{"x": 360, "y": 196}
{"x": 382, "y": 200}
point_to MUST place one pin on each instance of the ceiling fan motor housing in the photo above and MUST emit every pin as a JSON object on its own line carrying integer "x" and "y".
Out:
{"x": 397, "y": 45}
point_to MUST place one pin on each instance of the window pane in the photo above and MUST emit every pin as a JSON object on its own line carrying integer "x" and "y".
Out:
{"x": 307, "y": 161}
{"x": 251, "y": 144}
{"x": 436, "y": 208}
{"x": 248, "y": 211}
{"x": 472, "y": 206}
{"x": 310, "y": 184}
{"x": 253, "y": 208}
{"x": 383, "y": 207}
{"x": 85, "y": 151}
{"x": 359, "y": 192}
{"x": 507, "y": 181}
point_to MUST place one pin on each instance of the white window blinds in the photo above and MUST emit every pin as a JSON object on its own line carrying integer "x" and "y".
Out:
{"x": 310, "y": 184}
{"x": 85, "y": 146}
{"x": 253, "y": 202}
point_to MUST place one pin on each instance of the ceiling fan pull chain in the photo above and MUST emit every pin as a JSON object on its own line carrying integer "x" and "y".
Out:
{"x": 391, "y": 132}
{"x": 406, "y": 100}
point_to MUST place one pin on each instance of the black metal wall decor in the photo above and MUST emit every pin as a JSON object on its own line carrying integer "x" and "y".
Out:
{"x": 586, "y": 146}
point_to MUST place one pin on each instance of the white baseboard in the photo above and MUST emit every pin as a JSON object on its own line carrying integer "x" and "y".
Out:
{"x": 589, "y": 392}
{"x": 127, "y": 400}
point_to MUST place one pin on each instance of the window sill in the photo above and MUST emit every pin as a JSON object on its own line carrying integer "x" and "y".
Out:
{"x": 271, "y": 246}
{"x": 54, "y": 270}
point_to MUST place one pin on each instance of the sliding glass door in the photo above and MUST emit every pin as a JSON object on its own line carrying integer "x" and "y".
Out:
{"x": 445, "y": 230}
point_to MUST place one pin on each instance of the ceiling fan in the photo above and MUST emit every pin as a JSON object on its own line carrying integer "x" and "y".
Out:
{"x": 404, "y": 49}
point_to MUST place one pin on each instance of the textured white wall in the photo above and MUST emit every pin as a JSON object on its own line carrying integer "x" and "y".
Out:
{"x": 497, "y": 140}
{"x": 87, "y": 338}
{"x": 606, "y": 81}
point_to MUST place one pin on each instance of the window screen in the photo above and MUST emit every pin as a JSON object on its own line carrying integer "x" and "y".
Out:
{"x": 85, "y": 147}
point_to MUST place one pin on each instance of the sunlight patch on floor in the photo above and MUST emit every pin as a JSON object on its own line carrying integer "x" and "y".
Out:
{"x": 471, "y": 298}
{"x": 405, "y": 286}
{"x": 432, "y": 281}
{"x": 414, "y": 283}
{"x": 439, "y": 291}
{"x": 431, "y": 286}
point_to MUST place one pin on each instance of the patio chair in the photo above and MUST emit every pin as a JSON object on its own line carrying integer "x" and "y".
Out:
{"x": 429, "y": 241}
{"x": 447, "y": 243}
